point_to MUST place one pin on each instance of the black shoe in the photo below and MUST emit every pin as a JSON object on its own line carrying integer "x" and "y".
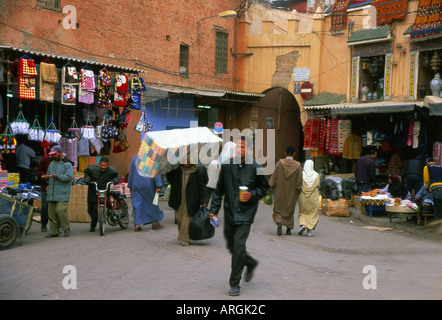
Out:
{"x": 288, "y": 232}
{"x": 50, "y": 235}
{"x": 279, "y": 230}
{"x": 67, "y": 232}
{"x": 91, "y": 229}
{"x": 250, "y": 272}
{"x": 44, "y": 229}
{"x": 235, "y": 291}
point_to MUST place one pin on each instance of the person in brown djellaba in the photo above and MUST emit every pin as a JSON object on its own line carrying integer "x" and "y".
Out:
{"x": 286, "y": 182}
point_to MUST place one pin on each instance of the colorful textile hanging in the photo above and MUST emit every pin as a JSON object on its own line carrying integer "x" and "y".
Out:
{"x": 48, "y": 79}
{"x": 121, "y": 90}
{"x": 339, "y": 15}
{"x": 103, "y": 90}
{"x": 26, "y": 79}
{"x": 87, "y": 86}
{"x": 311, "y": 134}
{"x": 334, "y": 138}
{"x": 387, "y": 10}
{"x": 69, "y": 85}
{"x": 428, "y": 19}
{"x": 322, "y": 134}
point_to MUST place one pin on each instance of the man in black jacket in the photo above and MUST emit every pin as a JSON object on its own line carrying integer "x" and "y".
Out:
{"x": 239, "y": 213}
{"x": 101, "y": 173}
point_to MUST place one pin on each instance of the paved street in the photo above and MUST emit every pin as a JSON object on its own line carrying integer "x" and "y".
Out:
{"x": 153, "y": 265}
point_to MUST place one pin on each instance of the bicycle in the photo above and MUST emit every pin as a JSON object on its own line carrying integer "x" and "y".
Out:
{"x": 112, "y": 208}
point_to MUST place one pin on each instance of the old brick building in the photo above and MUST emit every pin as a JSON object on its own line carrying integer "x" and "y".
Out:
{"x": 184, "y": 50}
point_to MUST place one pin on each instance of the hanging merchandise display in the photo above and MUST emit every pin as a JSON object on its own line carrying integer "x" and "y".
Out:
{"x": 52, "y": 134}
{"x": 36, "y": 132}
{"x": 69, "y": 85}
{"x": 88, "y": 131}
{"x": 20, "y": 125}
{"x": 103, "y": 89}
{"x": 107, "y": 130}
{"x": 87, "y": 86}
{"x": 137, "y": 88}
{"x": 143, "y": 125}
{"x": 48, "y": 79}
{"x": 27, "y": 73}
{"x": 7, "y": 141}
{"x": 121, "y": 90}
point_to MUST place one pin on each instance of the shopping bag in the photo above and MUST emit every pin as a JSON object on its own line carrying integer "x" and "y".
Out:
{"x": 268, "y": 199}
{"x": 156, "y": 198}
{"x": 200, "y": 227}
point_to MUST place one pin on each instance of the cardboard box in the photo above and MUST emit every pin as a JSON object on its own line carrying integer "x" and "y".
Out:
{"x": 77, "y": 209}
{"x": 356, "y": 203}
{"x": 337, "y": 208}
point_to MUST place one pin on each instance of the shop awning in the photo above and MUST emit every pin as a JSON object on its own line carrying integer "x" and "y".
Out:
{"x": 222, "y": 95}
{"x": 434, "y": 104}
{"x": 367, "y": 108}
{"x": 73, "y": 59}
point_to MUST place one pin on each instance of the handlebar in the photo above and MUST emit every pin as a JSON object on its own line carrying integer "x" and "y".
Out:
{"x": 96, "y": 186}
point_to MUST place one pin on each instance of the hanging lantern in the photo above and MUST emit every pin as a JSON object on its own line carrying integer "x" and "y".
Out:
{"x": 435, "y": 62}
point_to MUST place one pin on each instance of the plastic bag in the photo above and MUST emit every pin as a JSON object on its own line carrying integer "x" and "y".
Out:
{"x": 156, "y": 198}
{"x": 268, "y": 199}
{"x": 200, "y": 227}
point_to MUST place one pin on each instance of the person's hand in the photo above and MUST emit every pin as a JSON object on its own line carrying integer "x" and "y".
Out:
{"x": 211, "y": 215}
{"x": 204, "y": 205}
{"x": 157, "y": 190}
{"x": 416, "y": 198}
{"x": 245, "y": 196}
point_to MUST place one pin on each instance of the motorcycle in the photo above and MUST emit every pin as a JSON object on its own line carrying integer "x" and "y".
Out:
{"x": 112, "y": 208}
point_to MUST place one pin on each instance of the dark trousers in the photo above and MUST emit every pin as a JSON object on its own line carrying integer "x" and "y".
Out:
{"x": 209, "y": 192}
{"x": 363, "y": 187}
{"x": 236, "y": 237}
{"x": 437, "y": 199}
{"x": 44, "y": 209}
{"x": 92, "y": 209}
{"x": 413, "y": 182}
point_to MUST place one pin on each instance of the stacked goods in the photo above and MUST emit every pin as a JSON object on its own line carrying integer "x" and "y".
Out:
{"x": 3, "y": 179}
{"x": 13, "y": 180}
{"x": 163, "y": 151}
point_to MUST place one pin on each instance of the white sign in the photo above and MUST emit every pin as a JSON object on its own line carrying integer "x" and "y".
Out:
{"x": 301, "y": 74}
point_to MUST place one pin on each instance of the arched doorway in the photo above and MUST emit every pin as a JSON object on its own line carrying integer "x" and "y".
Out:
{"x": 280, "y": 111}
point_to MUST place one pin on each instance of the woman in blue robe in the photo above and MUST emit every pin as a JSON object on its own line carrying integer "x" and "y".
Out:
{"x": 143, "y": 191}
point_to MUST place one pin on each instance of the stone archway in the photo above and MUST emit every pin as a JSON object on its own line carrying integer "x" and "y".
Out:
{"x": 280, "y": 109}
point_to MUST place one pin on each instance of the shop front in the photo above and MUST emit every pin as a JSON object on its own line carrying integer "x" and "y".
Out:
{"x": 83, "y": 105}
{"x": 345, "y": 132}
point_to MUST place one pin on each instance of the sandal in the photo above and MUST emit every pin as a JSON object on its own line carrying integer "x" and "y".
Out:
{"x": 157, "y": 226}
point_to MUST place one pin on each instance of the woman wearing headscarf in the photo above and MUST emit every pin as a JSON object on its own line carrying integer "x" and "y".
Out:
{"x": 308, "y": 199}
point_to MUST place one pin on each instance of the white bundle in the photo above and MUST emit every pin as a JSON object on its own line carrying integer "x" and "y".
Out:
{"x": 88, "y": 132}
{"x": 36, "y": 134}
{"x": 52, "y": 136}
{"x": 20, "y": 127}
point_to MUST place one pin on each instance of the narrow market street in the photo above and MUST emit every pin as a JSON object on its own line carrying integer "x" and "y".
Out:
{"x": 333, "y": 264}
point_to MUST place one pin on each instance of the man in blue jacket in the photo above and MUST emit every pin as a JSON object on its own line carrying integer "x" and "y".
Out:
{"x": 239, "y": 213}
{"x": 60, "y": 174}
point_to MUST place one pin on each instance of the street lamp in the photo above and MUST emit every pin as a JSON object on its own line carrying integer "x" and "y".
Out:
{"x": 224, "y": 14}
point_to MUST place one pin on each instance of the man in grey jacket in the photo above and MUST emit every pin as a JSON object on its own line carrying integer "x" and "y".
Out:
{"x": 239, "y": 214}
{"x": 60, "y": 174}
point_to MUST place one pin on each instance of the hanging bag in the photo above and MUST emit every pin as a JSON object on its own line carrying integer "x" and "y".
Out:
{"x": 200, "y": 227}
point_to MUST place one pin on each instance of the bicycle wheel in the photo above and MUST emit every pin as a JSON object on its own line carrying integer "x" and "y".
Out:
{"x": 101, "y": 220}
{"x": 124, "y": 218}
